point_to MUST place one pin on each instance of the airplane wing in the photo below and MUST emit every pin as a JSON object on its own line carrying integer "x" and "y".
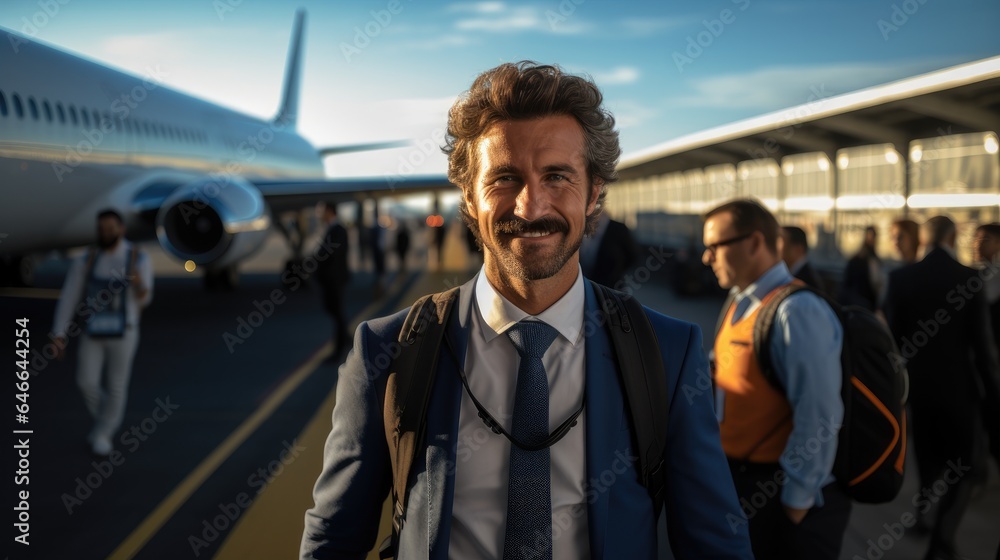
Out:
{"x": 286, "y": 194}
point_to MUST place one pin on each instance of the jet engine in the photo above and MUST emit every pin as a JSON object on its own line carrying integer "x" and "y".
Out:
{"x": 213, "y": 221}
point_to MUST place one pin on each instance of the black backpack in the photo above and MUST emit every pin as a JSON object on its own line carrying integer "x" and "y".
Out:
{"x": 411, "y": 378}
{"x": 871, "y": 445}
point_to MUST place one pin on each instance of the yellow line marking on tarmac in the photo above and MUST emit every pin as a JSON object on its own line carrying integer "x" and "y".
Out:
{"x": 166, "y": 509}
{"x": 163, "y": 512}
{"x": 33, "y": 293}
{"x": 272, "y": 526}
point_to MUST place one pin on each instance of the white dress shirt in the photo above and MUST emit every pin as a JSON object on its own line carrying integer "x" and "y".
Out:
{"x": 482, "y": 460}
{"x": 109, "y": 265}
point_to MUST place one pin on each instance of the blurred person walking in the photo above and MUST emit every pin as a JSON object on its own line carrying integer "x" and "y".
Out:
{"x": 863, "y": 277}
{"x": 334, "y": 274}
{"x": 402, "y": 244}
{"x": 986, "y": 250}
{"x": 905, "y": 235}
{"x": 937, "y": 311}
{"x": 795, "y": 253}
{"x": 609, "y": 253}
{"x": 101, "y": 301}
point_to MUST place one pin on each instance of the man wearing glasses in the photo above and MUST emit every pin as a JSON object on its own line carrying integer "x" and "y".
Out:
{"x": 780, "y": 441}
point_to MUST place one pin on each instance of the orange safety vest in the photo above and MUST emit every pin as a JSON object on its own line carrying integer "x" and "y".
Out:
{"x": 757, "y": 418}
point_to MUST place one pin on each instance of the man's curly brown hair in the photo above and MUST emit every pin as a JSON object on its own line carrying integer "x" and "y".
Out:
{"x": 524, "y": 91}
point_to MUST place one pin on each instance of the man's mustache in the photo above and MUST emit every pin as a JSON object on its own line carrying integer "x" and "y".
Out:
{"x": 512, "y": 225}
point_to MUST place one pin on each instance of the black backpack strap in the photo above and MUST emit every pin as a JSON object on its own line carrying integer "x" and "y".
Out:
{"x": 765, "y": 321}
{"x": 407, "y": 396}
{"x": 644, "y": 378}
{"x": 762, "y": 331}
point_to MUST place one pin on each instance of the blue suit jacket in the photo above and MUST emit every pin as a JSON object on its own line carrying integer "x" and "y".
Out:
{"x": 704, "y": 519}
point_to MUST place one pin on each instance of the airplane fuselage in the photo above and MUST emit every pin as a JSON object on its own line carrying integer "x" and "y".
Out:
{"x": 80, "y": 136}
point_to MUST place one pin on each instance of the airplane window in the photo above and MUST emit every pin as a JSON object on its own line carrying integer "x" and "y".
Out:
{"x": 18, "y": 108}
{"x": 61, "y": 113}
{"x": 85, "y": 117}
{"x": 48, "y": 110}
{"x": 3, "y": 105}
{"x": 110, "y": 121}
{"x": 33, "y": 107}
{"x": 97, "y": 120}
{"x": 72, "y": 115}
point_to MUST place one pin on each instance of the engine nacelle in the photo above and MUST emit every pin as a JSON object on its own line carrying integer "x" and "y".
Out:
{"x": 215, "y": 221}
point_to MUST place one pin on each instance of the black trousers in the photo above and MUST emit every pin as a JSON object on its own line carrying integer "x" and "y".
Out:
{"x": 333, "y": 302}
{"x": 773, "y": 536}
{"x": 947, "y": 443}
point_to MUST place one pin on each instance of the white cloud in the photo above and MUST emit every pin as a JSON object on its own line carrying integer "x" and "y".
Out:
{"x": 776, "y": 87}
{"x": 478, "y": 7}
{"x": 630, "y": 113}
{"x": 649, "y": 26}
{"x": 442, "y": 42}
{"x": 497, "y": 17}
{"x": 617, "y": 76}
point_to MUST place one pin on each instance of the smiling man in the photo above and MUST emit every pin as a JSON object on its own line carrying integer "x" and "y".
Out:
{"x": 533, "y": 151}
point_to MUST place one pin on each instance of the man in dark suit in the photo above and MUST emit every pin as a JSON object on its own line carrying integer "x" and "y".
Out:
{"x": 533, "y": 151}
{"x": 795, "y": 253}
{"x": 937, "y": 311}
{"x": 863, "y": 277}
{"x": 986, "y": 247}
{"x": 334, "y": 274}
{"x": 608, "y": 254}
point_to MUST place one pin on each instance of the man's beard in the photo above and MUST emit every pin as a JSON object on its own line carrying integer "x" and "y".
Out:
{"x": 107, "y": 242}
{"x": 531, "y": 264}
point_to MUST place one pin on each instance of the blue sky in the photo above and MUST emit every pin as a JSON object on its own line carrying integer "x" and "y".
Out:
{"x": 389, "y": 69}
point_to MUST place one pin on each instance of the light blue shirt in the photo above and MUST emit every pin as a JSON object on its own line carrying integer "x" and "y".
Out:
{"x": 805, "y": 351}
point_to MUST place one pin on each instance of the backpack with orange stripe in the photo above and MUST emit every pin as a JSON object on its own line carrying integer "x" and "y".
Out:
{"x": 871, "y": 446}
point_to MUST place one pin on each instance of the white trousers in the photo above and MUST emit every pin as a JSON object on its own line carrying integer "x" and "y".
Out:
{"x": 112, "y": 357}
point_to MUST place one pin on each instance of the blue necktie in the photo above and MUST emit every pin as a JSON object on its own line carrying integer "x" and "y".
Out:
{"x": 529, "y": 497}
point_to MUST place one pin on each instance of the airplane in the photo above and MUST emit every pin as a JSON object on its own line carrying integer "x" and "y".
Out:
{"x": 206, "y": 181}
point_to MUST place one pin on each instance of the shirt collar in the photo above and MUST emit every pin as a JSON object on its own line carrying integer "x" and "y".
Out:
{"x": 775, "y": 276}
{"x": 498, "y": 314}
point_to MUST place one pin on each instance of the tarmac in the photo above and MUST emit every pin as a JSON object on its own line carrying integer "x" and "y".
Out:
{"x": 223, "y": 436}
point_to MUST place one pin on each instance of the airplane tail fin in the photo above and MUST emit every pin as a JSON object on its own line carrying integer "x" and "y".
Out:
{"x": 289, "y": 111}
